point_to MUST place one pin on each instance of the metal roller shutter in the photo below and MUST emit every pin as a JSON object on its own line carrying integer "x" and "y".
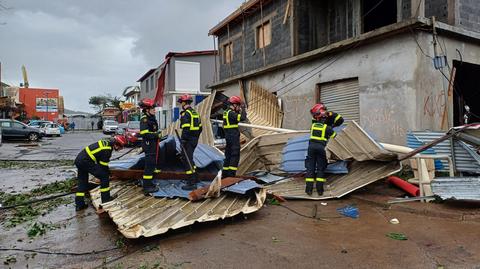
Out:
{"x": 342, "y": 97}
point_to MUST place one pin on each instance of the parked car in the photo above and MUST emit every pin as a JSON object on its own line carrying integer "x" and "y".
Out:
{"x": 121, "y": 129}
{"x": 50, "y": 129}
{"x": 37, "y": 123}
{"x": 12, "y": 129}
{"x": 110, "y": 126}
{"x": 132, "y": 132}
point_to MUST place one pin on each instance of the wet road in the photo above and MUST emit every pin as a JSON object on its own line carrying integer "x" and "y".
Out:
{"x": 65, "y": 147}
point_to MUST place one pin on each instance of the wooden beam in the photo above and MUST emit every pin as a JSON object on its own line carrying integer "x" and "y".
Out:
{"x": 199, "y": 194}
{"x": 138, "y": 174}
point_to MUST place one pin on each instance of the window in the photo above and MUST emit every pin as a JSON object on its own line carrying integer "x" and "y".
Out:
{"x": 6, "y": 124}
{"x": 228, "y": 53}
{"x": 17, "y": 125}
{"x": 377, "y": 14}
{"x": 187, "y": 77}
{"x": 151, "y": 83}
{"x": 147, "y": 85}
{"x": 264, "y": 35}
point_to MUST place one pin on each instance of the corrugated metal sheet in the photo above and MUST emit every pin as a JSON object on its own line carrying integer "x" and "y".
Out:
{"x": 263, "y": 109}
{"x": 413, "y": 142}
{"x": 295, "y": 152}
{"x": 342, "y": 97}
{"x": 460, "y": 188}
{"x": 353, "y": 143}
{"x": 466, "y": 160}
{"x": 204, "y": 109}
{"x": 264, "y": 152}
{"x": 137, "y": 215}
{"x": 360, "y": 174}
{"x": 243, "y": 186}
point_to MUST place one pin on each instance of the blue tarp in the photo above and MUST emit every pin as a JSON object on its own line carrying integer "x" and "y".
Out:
{"x": 242, "y": 187}
{"x": 295, "y": 152}
{"x": 173, "y": 188}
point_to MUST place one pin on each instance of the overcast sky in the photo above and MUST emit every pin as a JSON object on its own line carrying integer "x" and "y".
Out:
{"x": 93, "y": 47}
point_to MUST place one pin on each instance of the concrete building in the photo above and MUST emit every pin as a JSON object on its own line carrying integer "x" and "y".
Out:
{"x": 180, "y": 73}
{"x": 41, "y": 103}
{"x": 372, "y": 61}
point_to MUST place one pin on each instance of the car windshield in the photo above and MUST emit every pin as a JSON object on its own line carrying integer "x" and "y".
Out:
{"x": 133, "y": 125}
{"x": 111, "y": 122}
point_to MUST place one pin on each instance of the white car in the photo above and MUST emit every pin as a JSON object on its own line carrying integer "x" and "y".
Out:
{"x": 110, "y": 126}
{"x": 50, "y": 129}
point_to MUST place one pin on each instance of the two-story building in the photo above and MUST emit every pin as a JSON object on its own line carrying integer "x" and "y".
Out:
{"x": 180, "y": 73}
{"x": 385, "y": 64}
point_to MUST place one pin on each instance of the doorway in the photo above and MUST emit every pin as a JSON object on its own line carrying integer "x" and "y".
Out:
{"x": 466, "y": 94}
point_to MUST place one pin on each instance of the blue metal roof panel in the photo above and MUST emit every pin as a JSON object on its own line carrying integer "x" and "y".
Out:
{"x": 242, "y": 187}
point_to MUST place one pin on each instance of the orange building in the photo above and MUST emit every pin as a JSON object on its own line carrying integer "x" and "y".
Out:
{"x": 42, "y": 103}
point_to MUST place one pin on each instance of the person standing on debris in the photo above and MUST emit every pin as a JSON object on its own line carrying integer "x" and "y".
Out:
{"x": 94, "y": 160}
{"x": 231, "y": 117}
{"x": 333, "y": 119}
{"x": 316, "y": 161}
{"x": 150, "y": 135}
{"x": 191, "y": 128}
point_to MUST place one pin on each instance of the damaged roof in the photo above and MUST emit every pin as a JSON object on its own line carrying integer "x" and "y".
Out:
{"x": 460, "y": 188}
{"x": 138, "y": 215}
{"x": 353, "y": 143}
{"x": 360, "y": 174}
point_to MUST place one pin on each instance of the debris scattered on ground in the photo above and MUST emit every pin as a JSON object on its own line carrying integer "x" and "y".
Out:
{"x": 394, "y": 221}
{"x": 40, "y": 228}
{"x": 9, "y": 260}
{"x": 397, "y": 236}
{"x": 350, "y": 211}
{"x": 323, "y": 203}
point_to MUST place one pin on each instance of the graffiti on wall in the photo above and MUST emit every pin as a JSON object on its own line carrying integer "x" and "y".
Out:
{"x": 381, "y": 119}
{"x": 434, "y": 104}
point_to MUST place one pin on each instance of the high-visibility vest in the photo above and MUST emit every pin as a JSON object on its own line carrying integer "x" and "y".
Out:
{"x": 226, "y": 120}
{"x": 102, "y": 145}
{"x": 195, "y": 123}
{"x": 317, "y": 131}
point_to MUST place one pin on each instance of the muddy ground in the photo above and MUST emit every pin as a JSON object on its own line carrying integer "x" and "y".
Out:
{"x": 439, "y": 235}
{"x": 52, "y": 235}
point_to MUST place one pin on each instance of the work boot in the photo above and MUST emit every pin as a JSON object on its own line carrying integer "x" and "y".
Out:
{"x": 80, "y": 207}
{"x": 319, "y": 188}
{"x": 106, "y": 197}
{"x": 189, "y": 186}
{"x": 309, "y": 188}
{"x": 149, "y": 187}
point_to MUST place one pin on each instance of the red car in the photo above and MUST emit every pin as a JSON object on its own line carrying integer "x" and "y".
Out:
{"x": 132, "y": 132}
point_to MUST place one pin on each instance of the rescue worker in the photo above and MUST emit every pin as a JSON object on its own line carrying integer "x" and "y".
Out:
{"x": 231, "y": 117}
{"x": 316, "y": 161}
{"x": 191, "y": 128}
{"x": 333, "y": 119}
{"x": 94, "y": 160}
{"x": 150, "y": 135}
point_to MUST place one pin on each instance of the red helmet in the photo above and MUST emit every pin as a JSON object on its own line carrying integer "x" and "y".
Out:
{"x": 120, "y": 140}
{"x": 187, "y": 98}
{"x": 235, "y": 100}
{"x": 147, "y": 103}
{"x": 318, "y": 108}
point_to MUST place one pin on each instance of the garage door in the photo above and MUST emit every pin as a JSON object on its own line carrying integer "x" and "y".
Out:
{"x": 342, "y": 97}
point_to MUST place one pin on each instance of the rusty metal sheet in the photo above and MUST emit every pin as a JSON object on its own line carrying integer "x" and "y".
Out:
{"x": 460, "y": 188}
{"x": 360, "y": 174}
{"x": 138, "y": 215}
{"x": 204, "y": 110}
{"x": 353, "y": 143}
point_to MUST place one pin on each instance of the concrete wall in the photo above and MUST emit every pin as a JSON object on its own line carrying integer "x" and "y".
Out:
{"x": 430, "y": 83}
{"x": 151, "y": 91}
{"x": 245, "y": 55}
{"x": 469, "y": 14}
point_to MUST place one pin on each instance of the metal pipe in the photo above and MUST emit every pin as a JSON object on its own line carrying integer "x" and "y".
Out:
{"x": 268, "y": 128}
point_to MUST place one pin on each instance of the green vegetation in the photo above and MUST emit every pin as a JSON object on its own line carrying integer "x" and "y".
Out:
{"x": 34, "y": 164}
{"x": 28, "y": 213}
{"x": 40, "y": 228}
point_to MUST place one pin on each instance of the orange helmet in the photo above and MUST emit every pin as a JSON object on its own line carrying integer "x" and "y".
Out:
{"x": 120, "y": 140}
{"x": 235, "y": 100}
{"x": 147, "y": 103}
{"x": 187, "y": 98}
